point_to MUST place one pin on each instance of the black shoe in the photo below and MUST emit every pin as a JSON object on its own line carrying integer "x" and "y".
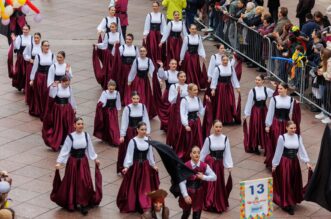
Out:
{"x": 83, "y": 210}
{"x": 256, "y": 151}
{"x": 290, "y": 210}
{"x": 315, "y": 109}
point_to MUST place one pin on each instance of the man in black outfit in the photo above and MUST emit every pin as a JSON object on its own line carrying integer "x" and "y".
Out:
{"x": 273, "y": 6}
{"x": 304, "y": 7}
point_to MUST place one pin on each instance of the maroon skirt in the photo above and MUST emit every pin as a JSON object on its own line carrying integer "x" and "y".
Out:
{"x": 143, "y": 87}
{"x": 277, "y": 128}
{"x": 130, "y": 133}
{"x": 287, "y": 182}
{"x": 10, "y": 60}
{"x": 174, "y": 45}
{"x": 194, "y": 72}
{"x": 217, "y": 193}
{"x": 140, "y": 179}
{"x": 40, "y": 96}
{"x": 123, "y": 86}
{"x": 57, "y": 124}
{"x": 164, "y": 111}
{"x": 256, "y": 134}
{"x": 175, "y": 125}
{"x": 106, "y": 125}
{"x": 102, "y": 73}
{"x": 238, "y": 67}
{"x": 28, "y": 91}
{"x": 154, "y": 52}
{"x": 18, "y": 77}
{"x": 187, "y": 139}
{"x": 76, "y": 187}
{"x": 224, "y": 104}
{"x": 197, "y": 196}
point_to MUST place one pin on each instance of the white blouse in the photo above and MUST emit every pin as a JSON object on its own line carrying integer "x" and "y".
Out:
{"x": 194, "y": 40}
{"x": 102, "y": 27}
{"x": 189, "y": 104}
{"x": 111, "y": 38}
{"x": 62, "y": 92}
{"x": 169, "y": 75}
{"x": 224, "y": 71}
{"x": 45, "y": 59}
{"x": 142, "y": 65}
{"x": 142, "y": 145}
{"x": 281, "y": 103}
{"x": 126, "y": 50}
{"x": 216, "y": 60}
{"x": 155, "y": 18}
{"x": 217, "y": 144}
{"x": 173, "y": 92}
{"x": 260, "y": 95}
{"x": 136, "y": 111}
{"x": 291, "y": 142}
{"x": 174, "y": 26}
{"x": 106, "y": 95}
{"x": 27, "y": 53}
{"x": 79, "y": 141}
{"x": 23, "y": 40}
{"x": 57, "y": 70}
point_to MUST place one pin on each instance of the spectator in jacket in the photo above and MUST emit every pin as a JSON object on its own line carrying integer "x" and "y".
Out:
{"x": 309, "y": 26}
{"x": 321, "y": 20}
{"x": 174, "y": 5}
{"x": 273, "y": 6}
{"x": 282, "y": 20}
{"x": 304, "y": 7}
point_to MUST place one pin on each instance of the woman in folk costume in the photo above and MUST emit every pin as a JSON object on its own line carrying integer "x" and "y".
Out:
{"x": 153, "y": 31}
{"x": 104, "y": 25}
{"x": 38, "y": 80}
{"x": 170, "y": 77}
{"x": 138, "y": 80}
{"x": 103, "y": 73}
{"x": 222, "y": 86}
{"x": 190, "y": 134}
{"x": 282, "y": 108}
{"x": 29, "y": 55}
{"x": 124, "y": 56}
{"x": 20, "y": 43}
{"x": 121, "y": 7}
{"x": 173, "y": 36}
{"x": 216, "y": 152}
{"x": 158, "y": 210}
{"x": 57, "y": 123}
{"x": 75, "y": 190}
{"x": 176, "y": 93}
{"x": 140, "y": 174}
{"x": 132, "y": 114}
{"x": 58, "y": 70}
{"x": 106, "y": 125}
{"x": 286, "y": 171}
{"x": 256, "y": 109}
{"x": 191, "y": 52}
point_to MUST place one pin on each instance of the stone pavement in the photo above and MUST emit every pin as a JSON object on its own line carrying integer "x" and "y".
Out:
{"x": 71, "y": 26}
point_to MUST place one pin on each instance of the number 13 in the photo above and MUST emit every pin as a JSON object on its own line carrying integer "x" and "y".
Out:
{"x": 260, "y": 189}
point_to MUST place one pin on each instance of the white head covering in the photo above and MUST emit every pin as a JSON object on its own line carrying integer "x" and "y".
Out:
{"x": 4, "y": 187}
{"x": 328, "y": 10}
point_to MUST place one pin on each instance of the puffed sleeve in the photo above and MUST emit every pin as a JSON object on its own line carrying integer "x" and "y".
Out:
{"x": 34, "y": 68}
{"x": 122, "y": 41}
{"x": 209, "y": 175}
{"x": 53, "y": 91}
{"x": 72, "y": 100}
{"x": 119, "y": 25}
{"x": 147, "y": 24}
{"x": 150, "y": 156}
{"x": 90, "y": 152}
{"x": 172, "y": 94}
{"x": 302, "y": 151}
{"x": 161, "y": 74}
{"x": 227, "y": 161}
{"x": 151, "y": 68}
{"x": 163, "y": 24}
{"x": 146, "y": 120}
{"x": 104, "y": 44}
{"x": 271, "y": 112}
{"x": 103, "y": 98}
{"x": 166, "y": 32}
{"x": 234, "y": 79}
{"x": 27, "y": 53}
{"x": 118, "y": 101}
{"x": 124, "y": 121}
{"x": 133, "y": 71}
{"x": 183, "y": 112}
{"x": 201, "y": 49}
{"x": 50, "y": 75}
{"x": 249, "y": 104}
{"x": 183, "y": 188}
{"x": 184, "y": 31}
{"x": 128, "y": 161}
{"x": 65, "y": 150}
{"x": 270, "y": 92}
{"x": 205, "y": 150}
{"x": 201, "y": 108}
{"x": 184, "y": 48}
{"x": 102, "y": 25}
{"x": 279, "y": 151}
{"x": 211, "y": 66}
{"x": 214, "y": 79}
{"x": 17, "y": 43}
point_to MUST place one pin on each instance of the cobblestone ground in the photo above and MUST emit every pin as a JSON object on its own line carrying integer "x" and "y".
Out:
{"x": 71, "y": 26}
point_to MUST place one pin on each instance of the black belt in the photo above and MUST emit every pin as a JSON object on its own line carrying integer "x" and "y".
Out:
{"x": 77, "y": 153}
{"x": 133, "y": 121}
{"x": 128, "y": 59}
{"x": 260, "y": 103}
{"x": 20, "y": 50}
{"x": 192, "y": 115}
{"x": 110, "y": 46}
{"x": 43, "y": 69}
{"x": 58, "y": 77}
{"x": 140, "y": 156}
{"x": 282, "y": 114}
{"x": 142, "y": 73}
{"x": 196, "y": 184}
{"x": 33, "y": 57}
{"x": 168, "y": 85}
{"x": 192, "y": 49}
{"x": 217, "y": 155}
{"x": 60, "y": 100}
{"x": 225, "y": 79}
{"x": 111, "y": 103}
{"x": 290, "y": 153}
{"x": 156, "y": 27}
{"x": 175, "y": 34}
